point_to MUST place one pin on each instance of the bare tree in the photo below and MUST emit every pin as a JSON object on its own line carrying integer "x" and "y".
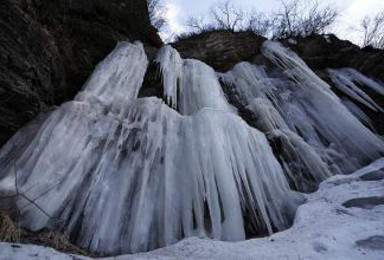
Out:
{"x": 373, "y": 29}
{"x": 286, "y": 19}
{"x": 199, "y": 24}
{"x": 227, "y": 16}
{"x": 302, "y": 18}
{"x": 295, "y": 18}
{"x": 157, "y": 11}
{"x": 260, "y": 24}
{"x": 318, "y": 19}
{"x": 222, "y": 15}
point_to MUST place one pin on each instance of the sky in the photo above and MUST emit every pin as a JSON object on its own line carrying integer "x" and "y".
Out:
{"x": 351, "y": 12}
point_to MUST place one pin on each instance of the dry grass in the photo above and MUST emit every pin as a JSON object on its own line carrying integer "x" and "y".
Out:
{"x": 54, "y": 240}
{"x": 11, "y": 232}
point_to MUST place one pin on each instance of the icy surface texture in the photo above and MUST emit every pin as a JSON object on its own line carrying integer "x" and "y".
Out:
{"x": 259, "y": 93}
{"x": 190, "y": 85}
{"x": 120, "y": 174}
{"x": 357, "y": 112}
{"x": 323, "y": 229}
{"x": 314, "y": 112}
{"x": 348, "y": 81}
{"x": 171, "y": 66}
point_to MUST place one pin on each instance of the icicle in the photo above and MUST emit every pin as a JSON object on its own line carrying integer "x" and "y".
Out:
{"x": 115, "y": 81}
{"x": 345, "y": 81}
{"x": 120, "y": 174}
{"x": 343, "y": 138}
{"x": 361, "y": 79}
{"x": 199, "y": 87}
{"x": 259, "y": 94}
{"x": 357, "y": 112}
{"x": 171, "y": 66}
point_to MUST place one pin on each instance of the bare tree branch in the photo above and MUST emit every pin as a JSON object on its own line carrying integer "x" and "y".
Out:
{"x": 157, "y": 11}
{"x": 373, "y": 29}
{"x": 303, "y": 18}
{"x": 226, "y": 15}
{"x": 295, "y": 18}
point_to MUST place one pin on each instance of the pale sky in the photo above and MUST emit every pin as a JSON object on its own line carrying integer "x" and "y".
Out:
{"x": 352, "y": 11}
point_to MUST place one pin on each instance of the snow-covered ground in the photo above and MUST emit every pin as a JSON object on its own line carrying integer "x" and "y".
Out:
{"x": 344, "y": 219}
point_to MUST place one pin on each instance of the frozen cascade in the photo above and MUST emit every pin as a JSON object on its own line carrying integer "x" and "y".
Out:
{"x": 357, "y": 112}
{"x": 316, "y": 113}
{"x": 257, "y": 92}
{"x": 120, "y": 174}
{"x": 192, "y": 86}
{"x": 357, "y": 78}
{"x": 347, "y": 80}
{"x": 171, "y": 73}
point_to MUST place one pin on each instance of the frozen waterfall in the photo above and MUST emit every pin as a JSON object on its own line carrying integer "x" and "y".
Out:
{"x": 121, "y": 174}
{"x": 317, "y": 114}
{"x": 347, "y": 81}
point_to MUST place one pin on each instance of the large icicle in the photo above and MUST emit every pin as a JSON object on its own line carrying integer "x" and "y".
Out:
{"x": 120, "y": 174}
{"x": 316, "y": 113}
{"x": 190, "y": 85}
{"x": 171, "y": 66}
{"x": 357, "y": 112}
{"x": 302, "y": 165}
{"x": 346, "y": 80}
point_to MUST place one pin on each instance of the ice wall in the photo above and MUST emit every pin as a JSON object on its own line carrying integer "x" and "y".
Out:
{"x": 120, "y": 174}
{"x": 190, "y": 85}
{"x": 260, "y": 94}
{"x": 312, "y": 132}
{"x": 348, "y": 80}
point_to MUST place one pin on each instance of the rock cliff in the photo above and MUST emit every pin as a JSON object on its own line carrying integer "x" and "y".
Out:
{"x": 224, "y": 49}
{"x": 49, "y": 48}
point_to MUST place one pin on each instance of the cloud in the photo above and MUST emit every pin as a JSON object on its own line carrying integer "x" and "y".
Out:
{"x": 172, "y": 16}
{"x": 352, "y": 14}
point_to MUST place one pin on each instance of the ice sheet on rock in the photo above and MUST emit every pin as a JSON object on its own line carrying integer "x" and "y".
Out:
{"x": 120, "y": 174}
{"x": 347, "y": 80}
{"x": 115, "y": 82}
{"x": 255, "y": 90}
{"x": 313, "y": 111}
{"x": 171, "y": 66}
{"x": 357, "y": 112}
{"x": 335, "y": 233}
{"x": 190, "y": 85}
{"x": 361, "y": 80}
{"x": 169, "y": 176}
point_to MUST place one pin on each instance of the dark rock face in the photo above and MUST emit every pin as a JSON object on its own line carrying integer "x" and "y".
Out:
{"x": 321, "y": 52}
{"x": 224, "y": 49}
{"x": 221, "y": 49}
{"x": 49, "y": 48}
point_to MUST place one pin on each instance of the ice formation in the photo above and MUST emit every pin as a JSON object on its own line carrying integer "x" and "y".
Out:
{"x": 317, "y": 114}
{"x": 190, "y": 85}
{"x": 348, "y": 81}
{"x": 357, "y": 112}
{"x": 121, "y": 174}
{"x": 256, "y": 91}
{"x": 314, "y": 133}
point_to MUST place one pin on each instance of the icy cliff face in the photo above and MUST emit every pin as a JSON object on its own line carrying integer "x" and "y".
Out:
{"x": 316, "y": 134}
{"x": 122, "y": 174}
